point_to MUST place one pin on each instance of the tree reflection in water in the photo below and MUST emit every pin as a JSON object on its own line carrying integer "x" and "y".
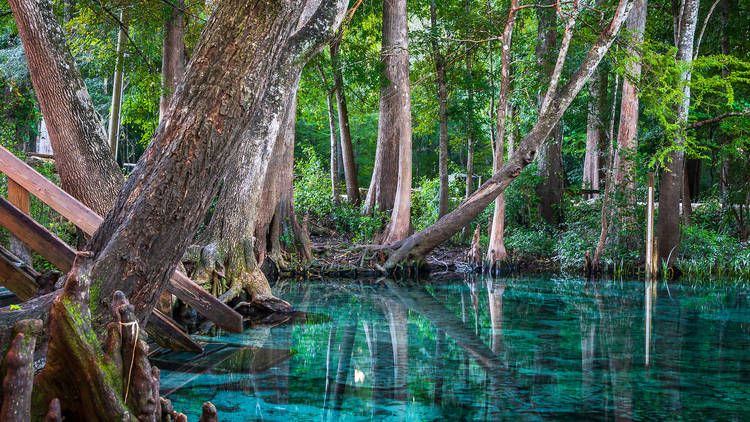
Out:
{"x": 480, "y": 349}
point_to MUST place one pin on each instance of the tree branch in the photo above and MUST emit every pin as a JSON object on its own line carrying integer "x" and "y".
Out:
{"x": 717, "y": 119}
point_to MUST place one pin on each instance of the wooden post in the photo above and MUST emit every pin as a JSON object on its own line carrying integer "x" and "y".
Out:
{"x": 650, "y": 264}
{"x": 19, "y": 196}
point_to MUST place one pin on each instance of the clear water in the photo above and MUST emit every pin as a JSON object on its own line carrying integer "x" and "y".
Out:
{"x": 480, "y": 349}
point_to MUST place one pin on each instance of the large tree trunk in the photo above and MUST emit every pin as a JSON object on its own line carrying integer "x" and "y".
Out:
{"x": 220, "y": 104}
{"x": 173, "y": 54}
{"x": 419, "y": 244}
{"x": 668, "y": 223}
{"x": 394, "y": 125}
{"x": 230, "y": 240}
{"x": 138, "y": 245}
{"x": 594, "y": 129}
{"x": 347, "y": 151}
{"x": 78, "y": 140}
{"x": 550, "y": 170}
{"x": 117, "y": 79}
{"x": 444, "y": 190}
{"x": 394, "y": 122}
{"x": 627, "y": 133}
{"x": 496, "y": 249}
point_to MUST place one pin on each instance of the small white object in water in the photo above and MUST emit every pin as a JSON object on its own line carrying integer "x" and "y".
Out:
{"x": 359, "y": 376}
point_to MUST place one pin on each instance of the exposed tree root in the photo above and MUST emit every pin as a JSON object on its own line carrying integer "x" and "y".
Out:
{"x": 86, "y": 378}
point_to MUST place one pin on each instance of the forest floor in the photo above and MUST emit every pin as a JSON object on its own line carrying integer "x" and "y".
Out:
{"x": 336, "y": 255}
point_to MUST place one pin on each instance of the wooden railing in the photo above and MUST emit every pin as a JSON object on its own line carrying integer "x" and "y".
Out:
{"x": 14, "y": 216}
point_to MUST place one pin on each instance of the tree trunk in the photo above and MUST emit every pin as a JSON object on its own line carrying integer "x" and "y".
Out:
{"x": 335, "y": 181}
{"x": 627, "y": 133}
{"x": 549, "y": 189}
{"x": 80, "y": 145}
{"x": 162, "y": 204}
{"x": 496, "y": 249}
{"x": 347, "y": 151}
{"x": 608, "y": 182}
{"x": 230, "y": 241}
{"x": 115, "y": 107}
{"x": 594, "y": 129}
{"x": 224, "y": 97}
{"x": 394, "y": 126}
{"x": 173, "y": 54}
{"x": 444, "y": 190}
{"x": 389, "y": 179}
{"x": 277, "y": 218}
{"x": 668, "y": 223}
{"x": 419, "y": 244}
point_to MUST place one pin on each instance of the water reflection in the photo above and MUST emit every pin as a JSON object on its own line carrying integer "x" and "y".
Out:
{"x": 480, "y": 349}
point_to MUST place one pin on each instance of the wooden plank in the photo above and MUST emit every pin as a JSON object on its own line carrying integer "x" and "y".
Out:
{"x": 206, "y": 304}
{"x": 18, "y": 196}
{"x": 48, "y": 192}
{"x": 168, "y": 334}
{"x": 35, "y": 236}
{"x": 88, "y": 221}
{"x": 16, "y": 277}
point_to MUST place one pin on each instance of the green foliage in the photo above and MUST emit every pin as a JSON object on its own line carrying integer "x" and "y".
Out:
{"x": 312, "y": 192}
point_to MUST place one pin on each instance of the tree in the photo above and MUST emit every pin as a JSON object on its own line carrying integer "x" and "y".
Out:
{"x": 229, "y": 241}
{"x": 554, "y": 105}
{"x": 550, "y": 169}
{"x": 594, "y": 128}
{"x": 173, "y": 54}
{"x": 393, "y": 154}
{"x": 444, "y": 189}
{"x": 668, "y": 222}
{"x": 81, "y": 151}
{"x": 114, "y": 110}
{"x": 347, "y": 151}
{"x": 164, "y": 201}
{"x": 390, "y": 183}
{"x": 496, "y": 249}
{"x": 627, "y": 134}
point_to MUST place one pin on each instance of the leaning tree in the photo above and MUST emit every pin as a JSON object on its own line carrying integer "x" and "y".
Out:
{"x": 555, "y": 102}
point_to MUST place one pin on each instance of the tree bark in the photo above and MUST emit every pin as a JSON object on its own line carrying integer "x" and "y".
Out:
{"x": 419, "y": 244}
{"x": 81, "y": 151}
{"x": 668, "y": 223}
{"x": 444, "y": 189}
{"x": 627, "y": 133}
{"x": 218, "y": 107}
{"x": 278, "y": 218}
{"x": 347, "y": 151}
{"x": 117, "y": 78}
{"x": 335, "y": 181}
{"x": 594, "y": 129}
{"x": 608, "y": 182}
{"x": 496, "y": 249}
{"x": 230, "y": 240}
{"x": 173, "y": 54}
{"x": 549, "y": 189}
{"x": 394, "y": 125}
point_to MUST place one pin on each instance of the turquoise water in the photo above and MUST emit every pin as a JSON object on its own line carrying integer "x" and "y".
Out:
{"x": 480, "y": 349}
